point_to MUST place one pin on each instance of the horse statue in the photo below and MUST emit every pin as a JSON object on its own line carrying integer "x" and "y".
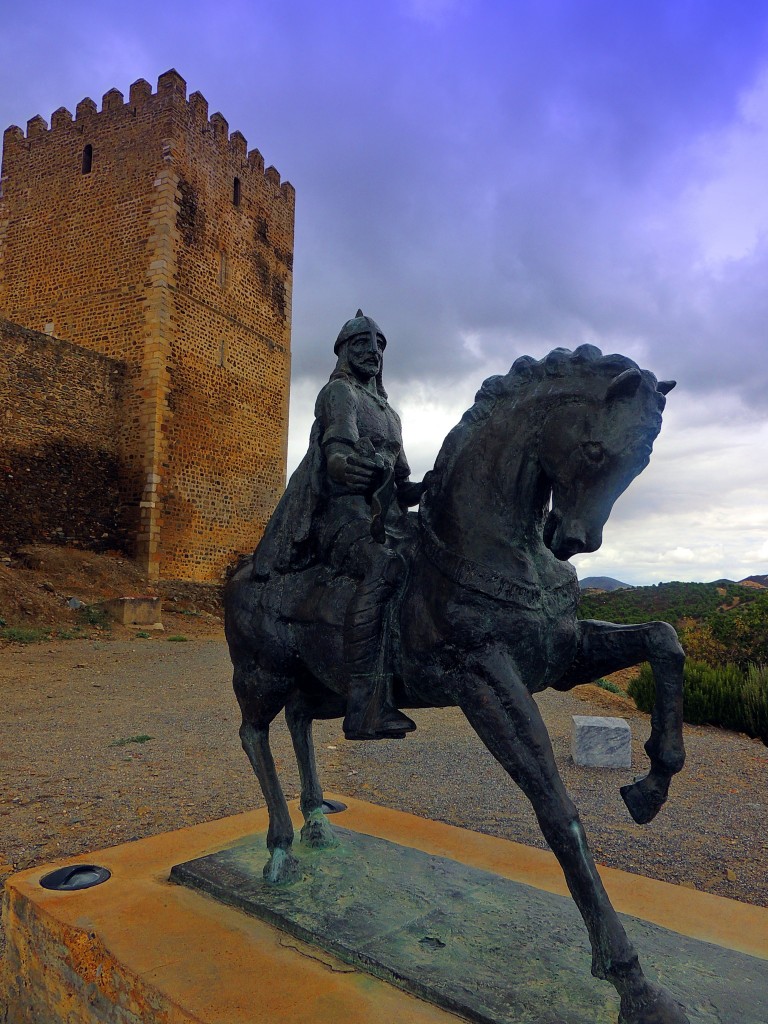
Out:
{"x": 485, "y": 618}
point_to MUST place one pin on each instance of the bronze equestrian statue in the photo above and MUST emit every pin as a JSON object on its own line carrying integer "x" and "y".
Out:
{"x": 351, "y": 606}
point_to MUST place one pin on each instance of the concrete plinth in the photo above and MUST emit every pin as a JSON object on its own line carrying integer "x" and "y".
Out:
{"x": 140, "y": 948}
{"x": 135, "y": 611}
{"x": 598, "y": 742}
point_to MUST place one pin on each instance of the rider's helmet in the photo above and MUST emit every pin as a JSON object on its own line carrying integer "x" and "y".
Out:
{"x": 359, "y": 324}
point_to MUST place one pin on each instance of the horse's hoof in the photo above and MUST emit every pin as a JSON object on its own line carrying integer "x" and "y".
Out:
{"x": 644, "y": 800}
{"x": 282, "y": 868}
{"x": 317, "y": 833}
{"x": 657, "y": 1007}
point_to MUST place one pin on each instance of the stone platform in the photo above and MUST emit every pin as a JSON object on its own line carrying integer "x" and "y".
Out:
{"x": 140, "y": 948}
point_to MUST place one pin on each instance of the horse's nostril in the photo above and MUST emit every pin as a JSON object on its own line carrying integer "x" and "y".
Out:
{"x": 575, "y": 545}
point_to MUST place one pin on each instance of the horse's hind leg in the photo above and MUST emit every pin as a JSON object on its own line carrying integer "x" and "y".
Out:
{"x": 261, "y": 696}
{"x": 316, "y": 831}
{"x": 507, "y": 719}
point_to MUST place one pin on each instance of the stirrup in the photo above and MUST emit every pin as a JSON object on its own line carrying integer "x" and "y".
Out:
{"x": 392, "y": 725}
{"x": 370, "y": 715}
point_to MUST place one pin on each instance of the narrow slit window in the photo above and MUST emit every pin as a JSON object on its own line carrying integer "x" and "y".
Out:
{"x": 223, "y": 352}
{"x": 222, "y": 270}
{"x": 87, "y": 158}
{"x": 236, "y": 192}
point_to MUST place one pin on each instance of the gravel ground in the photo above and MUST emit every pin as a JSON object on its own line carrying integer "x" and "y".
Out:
{"x": 74, "y": 778}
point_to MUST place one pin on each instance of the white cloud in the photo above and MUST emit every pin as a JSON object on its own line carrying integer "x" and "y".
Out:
{"x": 759, "y": 554}
{"x": 676, "y": 556}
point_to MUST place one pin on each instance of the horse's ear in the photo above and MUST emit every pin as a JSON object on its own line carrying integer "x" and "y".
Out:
{"x": 624, "y": 385}
{"x": 665, "y": 386}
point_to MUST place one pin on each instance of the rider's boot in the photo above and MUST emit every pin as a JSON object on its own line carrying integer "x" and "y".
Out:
{"x": 370, "y": 715}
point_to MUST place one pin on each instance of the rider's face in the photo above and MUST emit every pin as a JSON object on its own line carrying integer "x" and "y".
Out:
{"x": 364, "y": 354}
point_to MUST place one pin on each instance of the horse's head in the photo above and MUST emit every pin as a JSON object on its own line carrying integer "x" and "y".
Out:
{"x": 596, "y": 437}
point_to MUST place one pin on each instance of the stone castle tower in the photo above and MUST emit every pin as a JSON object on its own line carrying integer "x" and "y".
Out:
{"x": 148, "y": 233}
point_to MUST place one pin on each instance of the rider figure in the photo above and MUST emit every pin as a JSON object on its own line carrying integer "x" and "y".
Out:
{"x": 345, "y": 507}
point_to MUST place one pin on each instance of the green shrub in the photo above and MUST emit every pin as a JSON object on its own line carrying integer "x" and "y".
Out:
{"x": 606, "y": 684}
{"x": 177, "y": 638}
{"x": 726, "y": 696}
{"x": 24, "y": 634}
{"x": 141, "y": 738}
{"x": 642, "y": 690}
{"x": 70, "y": 634}
{"x": 755, "y": 696}
{"x": 92, "y": 615}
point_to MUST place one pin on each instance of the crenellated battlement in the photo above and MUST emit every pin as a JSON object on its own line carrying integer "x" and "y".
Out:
{"x": 171, "y": 93}
{"x": 142, "y": 228}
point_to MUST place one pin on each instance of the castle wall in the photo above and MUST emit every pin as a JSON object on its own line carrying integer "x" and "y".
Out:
{"x": 60, "y": 466}
{"x": 156, "y": 257}
{"x": 74, "y": 244}
{"x": 230, "y": 348}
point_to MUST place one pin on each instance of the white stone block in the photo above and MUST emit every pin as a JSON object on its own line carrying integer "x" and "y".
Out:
{"x": 601, "y": 742}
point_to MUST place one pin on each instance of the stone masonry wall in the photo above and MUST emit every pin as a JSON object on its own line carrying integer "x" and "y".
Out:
{"x": 230, "y": 348}
{"x": 148, "y": 233}
{"x": 74, "y": 243}
{"x": 60, "y": 469}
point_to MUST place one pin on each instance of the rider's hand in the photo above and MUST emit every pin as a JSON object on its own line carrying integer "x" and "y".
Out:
{"x": 355, "y": 471}
{"x": 360, "y": 472}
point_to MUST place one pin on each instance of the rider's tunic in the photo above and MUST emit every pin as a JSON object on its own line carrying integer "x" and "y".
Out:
{"x": 348, "y": 413}
{"x": 317, "y": 519}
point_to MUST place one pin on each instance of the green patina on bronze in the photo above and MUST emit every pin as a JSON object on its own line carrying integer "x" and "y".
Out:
{"x": 492, "y": 950}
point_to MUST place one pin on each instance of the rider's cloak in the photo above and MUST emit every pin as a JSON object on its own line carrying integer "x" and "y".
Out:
{"x": 314, "y": 508}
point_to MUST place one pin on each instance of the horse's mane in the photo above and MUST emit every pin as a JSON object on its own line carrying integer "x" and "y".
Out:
{"x": 561, "y": 369}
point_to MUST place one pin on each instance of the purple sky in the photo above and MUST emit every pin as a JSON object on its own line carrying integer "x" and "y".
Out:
{"x": 489, "y": 179}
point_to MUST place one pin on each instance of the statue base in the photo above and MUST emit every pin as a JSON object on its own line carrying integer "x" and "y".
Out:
{"x": 481, "y": 925}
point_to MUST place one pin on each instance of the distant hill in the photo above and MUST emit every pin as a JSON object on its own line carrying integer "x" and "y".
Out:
{"x": 670, "y": 602}
{"x": 606, "y": 583}
{"x": 755, "y": 581}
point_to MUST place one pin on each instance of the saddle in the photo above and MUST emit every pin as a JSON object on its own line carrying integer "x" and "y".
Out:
{"x": 318, "y": 594}
{"x": 321, "y": 593}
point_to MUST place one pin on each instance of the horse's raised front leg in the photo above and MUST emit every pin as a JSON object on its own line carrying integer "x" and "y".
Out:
{"x": 262, "y": 696}
{"x": 507, "y": 719}
{"x": 316, "y": 831}
{"x": 605, "y": 647}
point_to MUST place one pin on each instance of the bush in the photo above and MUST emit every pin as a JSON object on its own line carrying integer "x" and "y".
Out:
{"x": 610, "y": 686}
{"x": 24, "y": 634}
{"x": 726, "y": 696}
{"x": 700, "y": 644}
{"x": 141, "y": 738}
{"x": 756, "y": 701}
{"x": 93, "y": 615}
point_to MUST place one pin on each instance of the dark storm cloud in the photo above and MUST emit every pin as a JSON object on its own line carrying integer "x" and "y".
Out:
{"x": 488, "y": 179}
{"x": 484, "y": 178}
{"x": 513, "y": 179}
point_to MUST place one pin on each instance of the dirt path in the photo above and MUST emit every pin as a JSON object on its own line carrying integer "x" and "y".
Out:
{"x": 76, "y": 776}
